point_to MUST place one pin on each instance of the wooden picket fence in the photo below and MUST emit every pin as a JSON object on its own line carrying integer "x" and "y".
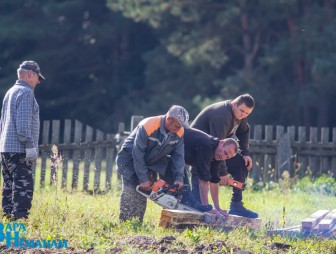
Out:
{"x": 274, "y": 149}
{"x": 300, "y": 151}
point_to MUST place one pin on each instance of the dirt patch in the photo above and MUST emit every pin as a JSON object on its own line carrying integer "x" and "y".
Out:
{"x": 5, "y": 249}
{"x": 169, "y": 244}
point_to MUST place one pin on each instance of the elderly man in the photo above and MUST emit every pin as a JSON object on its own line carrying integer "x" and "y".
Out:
{"x": 154, "y": 143}
{"x": 229, "y": 119}
{"x": 19, "y": 129}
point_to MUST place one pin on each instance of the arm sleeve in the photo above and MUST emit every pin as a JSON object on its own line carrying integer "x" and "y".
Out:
{"x": 217, "y": 127}
{"x": 243, "y": 133}
{"x": 24, "y": 116}
{"x": 204, "y": 158}
{"x": 177, "y": 157}
{"x": 138, "y": 153}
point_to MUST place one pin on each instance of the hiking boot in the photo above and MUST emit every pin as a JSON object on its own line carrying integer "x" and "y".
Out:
{"x": 239, "y": 209}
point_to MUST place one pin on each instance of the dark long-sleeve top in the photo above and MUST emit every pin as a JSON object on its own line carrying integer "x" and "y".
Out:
{"x": 199, "y": 150}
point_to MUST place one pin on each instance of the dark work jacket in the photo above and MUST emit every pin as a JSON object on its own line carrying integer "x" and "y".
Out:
{"x": 199, "y": 150}
{"x": 148, "y": 147}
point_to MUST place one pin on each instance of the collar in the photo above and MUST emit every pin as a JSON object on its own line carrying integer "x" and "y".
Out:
{"x": 21, "y": 82}
{"x": 162, "y": 125}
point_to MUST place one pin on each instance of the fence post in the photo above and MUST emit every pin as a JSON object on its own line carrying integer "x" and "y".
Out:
{"x": 135, "y": 120}
{"x": 268, "y": 170}
{"x": 76, "y": 154}
{"x": 285, "y": 152}
{"x": 44, "y": 154}
{"x": 257, "y": 170}
{"x": 291, "y": 133}
{"x": 279, "y": 132}
{"x": 55, "y": 137}
{"x": 98, "y": 160}
{"x": 66, "y": 152}
{"x": 324, "y": 167}
{"x": 302, "y": 159}
{"x": 120, "y": 141}
{"x": 109, "y": 161}
{"x": 87, "y": 157}
{"x": 333, "y": 160}
{"x": 313, "y": 159}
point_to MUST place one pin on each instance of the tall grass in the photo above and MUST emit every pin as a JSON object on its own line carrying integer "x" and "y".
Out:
{"x": 90, "y": 222}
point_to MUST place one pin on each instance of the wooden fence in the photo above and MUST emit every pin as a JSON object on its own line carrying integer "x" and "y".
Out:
{"x": 274, "y": 149}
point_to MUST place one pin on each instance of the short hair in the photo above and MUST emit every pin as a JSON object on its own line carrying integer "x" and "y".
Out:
{"x": 20, "y": 72}
{"x": 246, "y": 99}
{"x": 231, "y": 141}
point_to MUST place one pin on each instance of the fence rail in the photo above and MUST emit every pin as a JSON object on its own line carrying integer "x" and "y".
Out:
{"x": 300, "y": 151}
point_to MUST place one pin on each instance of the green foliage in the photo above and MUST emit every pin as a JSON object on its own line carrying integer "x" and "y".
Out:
{"x": 324, "y": 184}
{"x": 100, "y": 56}
{"x": 91, "y": 222}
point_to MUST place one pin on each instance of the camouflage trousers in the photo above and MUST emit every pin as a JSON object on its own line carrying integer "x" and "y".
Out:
{"x": 18, "y": 185}
{"x": 132, "y": 203}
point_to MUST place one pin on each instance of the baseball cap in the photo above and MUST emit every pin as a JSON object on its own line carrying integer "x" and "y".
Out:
{"x": 31, "y": 66}
{"x": 180, "y": 114}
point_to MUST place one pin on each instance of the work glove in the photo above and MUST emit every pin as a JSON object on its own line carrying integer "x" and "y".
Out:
{"x": 31, "y": 156}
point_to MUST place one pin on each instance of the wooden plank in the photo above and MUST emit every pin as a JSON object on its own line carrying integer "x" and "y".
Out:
{"x": 66, "y": 153}
{"x": 182, "y": 214}
{"x": 44, "y": 153}
{"x": 87, "y": 157}
{"x": 238, "y": 221}
{"x": 302, "y": 159}
{"x": 324, "y": 160}
{"x": 98, "y": 160}
{"x": 55, "y": 140}
{"x": 328, "y": 222}
{"x": 176, "y": 217}
{"x": 76, "y": 154}
{"x": 109, "y": 161}
{"x": 310, "y": 222}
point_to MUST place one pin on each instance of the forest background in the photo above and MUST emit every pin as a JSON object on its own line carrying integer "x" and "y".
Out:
{"x": 106, "y": 60}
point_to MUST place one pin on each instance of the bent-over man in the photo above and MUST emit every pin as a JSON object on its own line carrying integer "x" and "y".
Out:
{"x": 205, "y": 153}
{"x": 154, "y": 143}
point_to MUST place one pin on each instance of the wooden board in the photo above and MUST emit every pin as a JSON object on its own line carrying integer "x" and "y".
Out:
{"x": 310, "y": 222}
{"x": 175, "y": 218}
{"x": 328, "y": 222}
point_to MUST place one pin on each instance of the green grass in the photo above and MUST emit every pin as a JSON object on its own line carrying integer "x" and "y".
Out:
{"x": 91, "y": 222}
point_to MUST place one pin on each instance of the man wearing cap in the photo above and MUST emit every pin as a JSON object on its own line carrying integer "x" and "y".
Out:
{"x": 19, "y": 129}
{"x": 153, "y": 144}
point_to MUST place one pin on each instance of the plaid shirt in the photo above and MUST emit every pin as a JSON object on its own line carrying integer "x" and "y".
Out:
{"x": 20, "y": 120}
